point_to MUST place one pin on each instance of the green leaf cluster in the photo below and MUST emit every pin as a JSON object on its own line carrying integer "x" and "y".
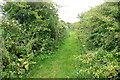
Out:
{"x": 98, "y": 32}
{"x": 101, "y": 24}
{"x": 28, "y": 29}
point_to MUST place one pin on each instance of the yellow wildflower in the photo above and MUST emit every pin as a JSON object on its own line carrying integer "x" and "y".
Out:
{"x": 27, "y": 66}
{"x": 110, "y": 28}
{"x": 20, "y": 59}
{"x": 25, "y": 62}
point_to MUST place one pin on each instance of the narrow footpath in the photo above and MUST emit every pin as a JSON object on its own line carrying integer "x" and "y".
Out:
{"x": 62, "y": 64}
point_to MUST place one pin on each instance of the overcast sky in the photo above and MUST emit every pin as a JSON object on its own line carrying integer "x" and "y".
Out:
{"x": 71, "y": 8}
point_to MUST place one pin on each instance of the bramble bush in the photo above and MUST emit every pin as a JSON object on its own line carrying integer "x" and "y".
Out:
{"x": 102, "y": 25}
{"x": 99, "y": 64}
{"x": 101, "y": 40}
{"x": 28, "y": 29}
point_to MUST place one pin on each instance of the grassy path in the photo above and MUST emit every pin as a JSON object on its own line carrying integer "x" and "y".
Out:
{"x": 62, "y": 64}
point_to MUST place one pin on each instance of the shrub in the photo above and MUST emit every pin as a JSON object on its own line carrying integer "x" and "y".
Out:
{"x": 100, "y": 30}
{"x": 100, "y": 64}
{"x": 29, "y": 29}
{"x": 101, "y": 24}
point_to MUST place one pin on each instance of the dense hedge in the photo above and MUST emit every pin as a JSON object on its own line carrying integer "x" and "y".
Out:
{"x": 28, "y": 29}
{"x": 102, "y": 25}
{"x": 100, "y": 38}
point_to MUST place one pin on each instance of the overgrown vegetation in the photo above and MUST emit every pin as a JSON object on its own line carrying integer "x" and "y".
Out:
{"x": 28, "y": 29}
{"x": 60, "y": 65}
{"x": 32, "y": 32}
{"x": 101, "y": 41}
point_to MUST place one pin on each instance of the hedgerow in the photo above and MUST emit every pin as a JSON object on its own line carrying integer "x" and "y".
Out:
{"x": 101, "y": 40}
{"x": 98, "y": 64}
{"x": 102, "y": 27}
{"x": 28, "y": 29}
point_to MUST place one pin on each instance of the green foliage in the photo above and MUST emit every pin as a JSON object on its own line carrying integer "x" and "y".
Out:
{"x": 101, "y": 41}
{"x": 29, "y": 29}
{"x": 100, "y": 64}
{"x": 101, "y": 24}
{"x": 59, "y": 31}
{"x": 60, "y": 65}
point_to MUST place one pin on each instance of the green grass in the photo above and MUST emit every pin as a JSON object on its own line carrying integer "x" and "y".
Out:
{"x": 60, "y": 65}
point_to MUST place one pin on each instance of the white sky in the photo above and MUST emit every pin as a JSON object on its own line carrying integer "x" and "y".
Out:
{"x": 71, "y": 8}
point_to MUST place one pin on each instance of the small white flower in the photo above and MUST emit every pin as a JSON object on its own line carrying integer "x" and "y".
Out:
{"x": 8, "y": 23}
{"x": 13, "y": 20}
{"x": 19, "y": 28}
{"x": 3, "y": 21}
{"x": 24, "y": 29}
{"x": 20, "y": 25}
{"x": 83, "y": 45}
{"x": 16, "y": 21}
